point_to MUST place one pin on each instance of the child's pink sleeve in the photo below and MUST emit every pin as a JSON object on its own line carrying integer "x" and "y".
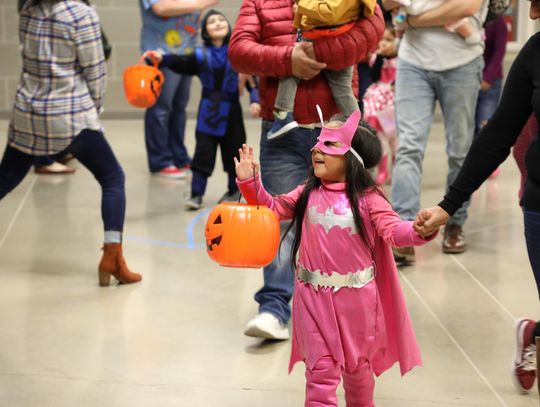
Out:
{"x": 389, "y": 226}
{"x": 283, "y": 205}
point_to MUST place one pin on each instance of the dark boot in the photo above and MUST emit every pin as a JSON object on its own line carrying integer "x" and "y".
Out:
{"x": 113, "y": 264}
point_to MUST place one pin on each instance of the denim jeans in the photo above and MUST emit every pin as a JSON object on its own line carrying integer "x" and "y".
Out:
{"x": 532, "y": 239}
{"x": 165, "y": 123}
{"x": 487, "y": 103}
{"x": 285, "y": 162}
{"x": 94, "y": 152}
{"x": 417, "y": 90}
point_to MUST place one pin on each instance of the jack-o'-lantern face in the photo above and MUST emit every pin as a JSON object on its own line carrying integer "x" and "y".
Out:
{"x": 240, "y": 235}
{"x": 142, "y": 85}
{"x": 214, "y": 241}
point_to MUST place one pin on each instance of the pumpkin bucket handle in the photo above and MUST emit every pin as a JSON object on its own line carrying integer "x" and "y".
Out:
{"x": 256, "y": 187}
{"x": 144, "y": 61}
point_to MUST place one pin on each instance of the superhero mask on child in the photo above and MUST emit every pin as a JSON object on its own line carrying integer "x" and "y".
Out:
{"x": 337, "y": 141}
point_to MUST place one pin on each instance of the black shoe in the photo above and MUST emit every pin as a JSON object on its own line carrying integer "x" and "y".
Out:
{"x": 194, "y": 203}
{"x": 228, "y": 197}
{"x": 403, "y": 256}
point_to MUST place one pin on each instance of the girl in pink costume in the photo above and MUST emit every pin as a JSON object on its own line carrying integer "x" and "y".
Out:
{"x": 349, "y": 314}
{"x": 379, "y": 99}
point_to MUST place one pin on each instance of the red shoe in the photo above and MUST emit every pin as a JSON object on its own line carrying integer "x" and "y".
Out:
{"x": 173, "y": 172}
{"x": 495, "y": 173}
{"x": 524, "y": 363}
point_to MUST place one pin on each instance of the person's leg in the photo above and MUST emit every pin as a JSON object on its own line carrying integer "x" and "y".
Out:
{"x": 94, "y": 152}
{"x": 414, "y": 105}
{"x": 284, "y": 165}
{"x": 156, "y": 124}
{"x": 486, "y": 104}
{"x": 457, "y": 90}
{"x": 177, "y": 122}
{"x": 283, "y": 108}
{"x": 13, "y": 168}
{"x": 322, "y": 382}
{"x": 359, "y": 386}
{"x": 364, "y": 79}
{"x": 340, "y": 83}
{"x": 229, "y": 145}
{"x": 203, "y": 162}
{"x": 286, "y": 94}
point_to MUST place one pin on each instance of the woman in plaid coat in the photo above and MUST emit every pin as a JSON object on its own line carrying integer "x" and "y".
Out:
{"x": 56, "y": 110}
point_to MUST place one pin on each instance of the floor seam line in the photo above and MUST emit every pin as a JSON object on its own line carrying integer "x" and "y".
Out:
{"x": 17, "y": 211}
{"x": 453, "y": 340}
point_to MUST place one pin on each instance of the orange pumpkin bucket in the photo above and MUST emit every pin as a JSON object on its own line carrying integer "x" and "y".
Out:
{"x": 241, "y": 235}
{"x": 142, "y": 84}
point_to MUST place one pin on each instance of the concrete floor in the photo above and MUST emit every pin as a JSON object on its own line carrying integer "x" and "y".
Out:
{"x": 176, "y": 339}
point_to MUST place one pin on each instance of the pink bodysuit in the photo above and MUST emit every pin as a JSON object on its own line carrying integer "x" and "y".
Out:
{"x": 352, "y": 324}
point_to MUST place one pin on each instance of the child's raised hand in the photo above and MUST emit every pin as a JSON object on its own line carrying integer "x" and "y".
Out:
{"x": 245, "y": 167}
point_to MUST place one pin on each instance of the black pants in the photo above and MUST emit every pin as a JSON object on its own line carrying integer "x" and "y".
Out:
{"x": 94, "y": 152}
{"x": 204, "y": 158}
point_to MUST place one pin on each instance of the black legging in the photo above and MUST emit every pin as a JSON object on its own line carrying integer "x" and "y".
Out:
{"x": 94, "y": 152}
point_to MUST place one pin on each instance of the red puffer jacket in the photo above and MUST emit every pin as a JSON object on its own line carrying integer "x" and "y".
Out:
{"x": 262, "y": 43}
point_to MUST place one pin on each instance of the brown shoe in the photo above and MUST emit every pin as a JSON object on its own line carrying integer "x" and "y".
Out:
{"x": 54, "y": 169}
{"x": 403, "y": 256}
{"x": 113, "y": 264}
{"x": 454, "y": 240}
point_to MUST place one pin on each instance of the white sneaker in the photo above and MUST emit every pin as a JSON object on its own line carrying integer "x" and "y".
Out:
{"x": 268, "y": 326}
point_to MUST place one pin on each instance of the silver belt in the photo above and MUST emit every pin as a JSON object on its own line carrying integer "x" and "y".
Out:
{"x": 356, "y": 279}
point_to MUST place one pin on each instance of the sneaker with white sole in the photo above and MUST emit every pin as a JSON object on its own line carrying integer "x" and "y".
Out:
{"x": 194, "y": 203}
{"x": 267, "y": 326}
{"x": 173, "y": 172}
{"x": 281, "y": 125}
{"x": 524, "y": 363}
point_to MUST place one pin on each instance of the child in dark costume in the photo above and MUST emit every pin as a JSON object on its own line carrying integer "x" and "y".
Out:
{"x": 219, "y": 120}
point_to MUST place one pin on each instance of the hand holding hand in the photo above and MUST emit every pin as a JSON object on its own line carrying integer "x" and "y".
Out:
{"x": 255, "y": 110}
{"x": 303, "y": 66}
{"x": 153, "y": 56}
{"x": 246, "y": 167}
{"x": 428, "y": 221}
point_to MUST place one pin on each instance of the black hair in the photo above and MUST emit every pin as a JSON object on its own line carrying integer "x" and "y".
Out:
{"x": 357, "y": 181}
{"x": 204, "y": 32}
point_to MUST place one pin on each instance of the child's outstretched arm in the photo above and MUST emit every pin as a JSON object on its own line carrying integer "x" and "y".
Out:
{"x": 391, "y": 227}
{"x": 181, "y": 64}
{"x": 249, "y": 182}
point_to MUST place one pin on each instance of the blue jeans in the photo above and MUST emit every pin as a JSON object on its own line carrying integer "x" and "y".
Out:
{"x": 165, "y": 123}
{"x": 487, "y": 103}
{"x": 284, "y": 165}
{"x": 94, "y": 152}
{"x": 417, "y": 90}
{"x": 532, "y": 239}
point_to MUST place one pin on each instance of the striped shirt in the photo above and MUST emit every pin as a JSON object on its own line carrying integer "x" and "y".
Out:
{"x": 62, "y": 83}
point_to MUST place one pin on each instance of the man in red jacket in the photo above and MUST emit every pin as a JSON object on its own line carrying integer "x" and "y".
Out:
{"x": 263, "y": 44}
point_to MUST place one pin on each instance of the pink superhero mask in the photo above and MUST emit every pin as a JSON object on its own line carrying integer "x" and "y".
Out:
{"x": 337, "y": 141}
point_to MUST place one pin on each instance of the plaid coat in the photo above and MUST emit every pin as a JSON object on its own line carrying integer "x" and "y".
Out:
{"x": 63, "y": 78}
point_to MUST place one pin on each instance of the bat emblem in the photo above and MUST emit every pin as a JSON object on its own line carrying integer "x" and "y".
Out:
{"x": 329, "y": 219}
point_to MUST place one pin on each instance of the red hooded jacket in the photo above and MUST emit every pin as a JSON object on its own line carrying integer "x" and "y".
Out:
{"x": 262, "y": 43}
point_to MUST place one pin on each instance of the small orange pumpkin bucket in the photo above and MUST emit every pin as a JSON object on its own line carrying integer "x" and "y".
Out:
{"x": 142, "y": 84}
{"x": 242, "y": 235}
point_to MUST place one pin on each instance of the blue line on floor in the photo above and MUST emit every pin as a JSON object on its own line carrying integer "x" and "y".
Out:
{"x": 191, "y": 226}
{"x": 191, "y": 244}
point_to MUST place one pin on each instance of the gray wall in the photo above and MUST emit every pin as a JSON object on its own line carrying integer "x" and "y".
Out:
{"x": 121, "y": 22}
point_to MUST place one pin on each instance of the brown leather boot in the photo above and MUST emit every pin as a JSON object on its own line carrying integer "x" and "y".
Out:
{"x": 113, "y": 264}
